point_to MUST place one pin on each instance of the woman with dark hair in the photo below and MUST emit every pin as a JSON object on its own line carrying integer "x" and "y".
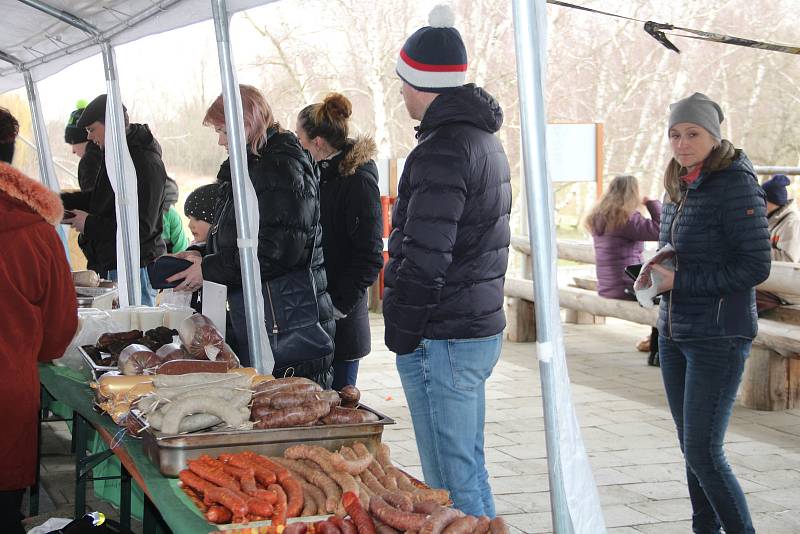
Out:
{"x": 716, "y": 220}
{"x": 289, "y": 237}
{"x": 351, "y": 224}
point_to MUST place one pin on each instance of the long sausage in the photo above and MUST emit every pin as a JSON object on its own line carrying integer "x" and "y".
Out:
{"x": 279, "y": 515}
{"x": 212, "y": 474}
{"x": 218, "y": 514}
{"x": 359, "y": 516}
{"x": 498, "y": 526}
{"x": 395, "y": 518}
{"x": 440, "y": 520}
{"x": 294, "y": 496}
{"x": 227, "y": 498}
{"x": 289, "y": 417}
{"x": 462, "y": 525}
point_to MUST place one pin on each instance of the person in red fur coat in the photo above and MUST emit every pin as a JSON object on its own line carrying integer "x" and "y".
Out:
{"x": 38, "y": 316}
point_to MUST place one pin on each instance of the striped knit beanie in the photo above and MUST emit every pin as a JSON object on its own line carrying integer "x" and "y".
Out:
{"x": 434, "y": 58}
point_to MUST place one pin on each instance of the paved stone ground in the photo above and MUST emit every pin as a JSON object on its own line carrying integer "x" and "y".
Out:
{"x": 626, "y": 426}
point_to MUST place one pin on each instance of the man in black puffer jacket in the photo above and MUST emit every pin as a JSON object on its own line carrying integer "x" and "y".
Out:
{"x": 95, "y": 209}
{"x": 448, "y": 253}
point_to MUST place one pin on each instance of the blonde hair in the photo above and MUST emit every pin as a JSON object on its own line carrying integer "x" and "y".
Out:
{"x": 615, "y": 207}
{"x": 256, "y": 113}
{"x": 328, "y": 119}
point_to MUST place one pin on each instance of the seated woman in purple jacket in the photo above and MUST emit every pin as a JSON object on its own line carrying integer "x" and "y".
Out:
{"x": 619, "y": 231}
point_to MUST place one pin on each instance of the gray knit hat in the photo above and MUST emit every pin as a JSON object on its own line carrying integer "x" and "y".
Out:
{"x": 697, "y": 109}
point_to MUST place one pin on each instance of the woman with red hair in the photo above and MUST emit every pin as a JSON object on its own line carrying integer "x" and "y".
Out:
{"x": 286, "y": 184}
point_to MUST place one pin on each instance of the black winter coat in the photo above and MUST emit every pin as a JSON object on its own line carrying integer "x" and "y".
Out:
{"x": 352, "y": 240}
{"x": 88, "y": 170}
{"x": 720, "y": 234}
{"x": 286, "y": 184}
{"x": 100, "y": 230}
{"x": 448, "y": 250}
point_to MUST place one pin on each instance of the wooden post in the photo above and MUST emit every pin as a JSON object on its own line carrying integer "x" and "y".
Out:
{"x": 520, "y": 320}
{"x": 393, "y": 178}
{"x": 770, "y": 381}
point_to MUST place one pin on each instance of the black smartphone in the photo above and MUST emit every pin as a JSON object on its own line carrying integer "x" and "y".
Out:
{"x": 633, "y": 271}
{"x": 67, "y": 215}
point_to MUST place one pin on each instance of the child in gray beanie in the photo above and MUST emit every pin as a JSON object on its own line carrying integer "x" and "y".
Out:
{"x": 697, "y": 109}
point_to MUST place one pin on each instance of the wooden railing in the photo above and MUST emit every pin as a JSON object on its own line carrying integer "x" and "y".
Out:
{"x": 784, "y": 277}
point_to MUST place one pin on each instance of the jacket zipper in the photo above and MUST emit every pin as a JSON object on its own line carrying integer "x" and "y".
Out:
{"x": 672, "y": 239}
{"x": 719, "y": 308}
{"x": 274, "y": 320}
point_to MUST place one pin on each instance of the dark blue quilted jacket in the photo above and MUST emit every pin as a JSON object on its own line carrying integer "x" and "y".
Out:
{"x": 719, "y": 231}
{"x": 448, "y": 250}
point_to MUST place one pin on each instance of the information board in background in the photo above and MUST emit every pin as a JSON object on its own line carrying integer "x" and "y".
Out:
{"x": 572, "y": 152}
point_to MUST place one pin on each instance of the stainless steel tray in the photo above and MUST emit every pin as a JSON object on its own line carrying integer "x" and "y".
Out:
{"x": 97, "y": 370}
{"x": 170, "y": 452}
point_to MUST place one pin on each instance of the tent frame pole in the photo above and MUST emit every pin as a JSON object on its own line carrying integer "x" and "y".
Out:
{"x": 116, "y": 133}
{"x": 529, "y": 30}
{"x": 47, "y": 171}
{"x": 237, "y": 150}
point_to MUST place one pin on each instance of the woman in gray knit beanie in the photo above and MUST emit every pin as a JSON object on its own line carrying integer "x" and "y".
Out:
{"x": 715, "y": 219}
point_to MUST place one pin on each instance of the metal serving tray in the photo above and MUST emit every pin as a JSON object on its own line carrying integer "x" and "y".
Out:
{"x": 170, "y": 452}
{"x": 97, "y": 370}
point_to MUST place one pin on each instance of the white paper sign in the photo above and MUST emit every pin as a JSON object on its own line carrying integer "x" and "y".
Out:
{"x": 214, "y": 298}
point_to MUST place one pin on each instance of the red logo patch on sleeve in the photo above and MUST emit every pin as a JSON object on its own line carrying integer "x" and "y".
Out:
{"x": 750, "y": 211}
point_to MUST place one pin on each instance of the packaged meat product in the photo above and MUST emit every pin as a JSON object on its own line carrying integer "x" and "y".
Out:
{"x": 137, "y": 360}
{"x": 227, "y": 355}
{"x": 85, "y": 279}
{"x": 200, "y": 337}
{"x": 172, "y": 351}
{"x": 184, "y": 366}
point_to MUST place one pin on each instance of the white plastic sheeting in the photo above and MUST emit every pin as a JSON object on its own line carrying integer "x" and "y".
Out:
{"x": 573, "y": 493}
{"x": 129, "y": 285}
{"x": 46, "y": 45}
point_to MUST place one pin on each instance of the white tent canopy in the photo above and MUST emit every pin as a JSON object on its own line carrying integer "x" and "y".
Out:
{"x": 42, "y": 37}
{"x": 45, "y": 45}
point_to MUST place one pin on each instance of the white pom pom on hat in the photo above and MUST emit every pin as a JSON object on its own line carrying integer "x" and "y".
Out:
{"x": 434, "y": 58}
{"x": 442, "y": 16}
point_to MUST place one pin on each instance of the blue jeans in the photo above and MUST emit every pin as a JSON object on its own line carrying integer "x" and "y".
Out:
{"x": 444, "y": 382}
{"x": 344, "y": 373}
{"x": 148, "y": 293}
{"x": 701, "y": 378}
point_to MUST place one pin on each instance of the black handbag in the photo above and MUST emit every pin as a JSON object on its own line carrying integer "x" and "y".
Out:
{"x": 291, "y": 315}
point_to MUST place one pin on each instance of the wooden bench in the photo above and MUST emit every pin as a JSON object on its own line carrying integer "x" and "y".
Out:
{"x": 772, "y": 377}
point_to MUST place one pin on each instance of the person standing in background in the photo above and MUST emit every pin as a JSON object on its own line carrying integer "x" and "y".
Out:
{"x": 716, "y": 220}
{"x": 350, "y": 206}
{"x": 89, "y": 167}
{"x": 95, "y": 211}
{"x": 174, "y": 236}
{"x": 448, "y": 255}
{"x": 38, "y": 312}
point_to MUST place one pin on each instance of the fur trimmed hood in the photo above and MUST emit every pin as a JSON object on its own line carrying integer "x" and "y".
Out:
{"x": 358, "y": 151}
{"x": 31, "y": 193}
